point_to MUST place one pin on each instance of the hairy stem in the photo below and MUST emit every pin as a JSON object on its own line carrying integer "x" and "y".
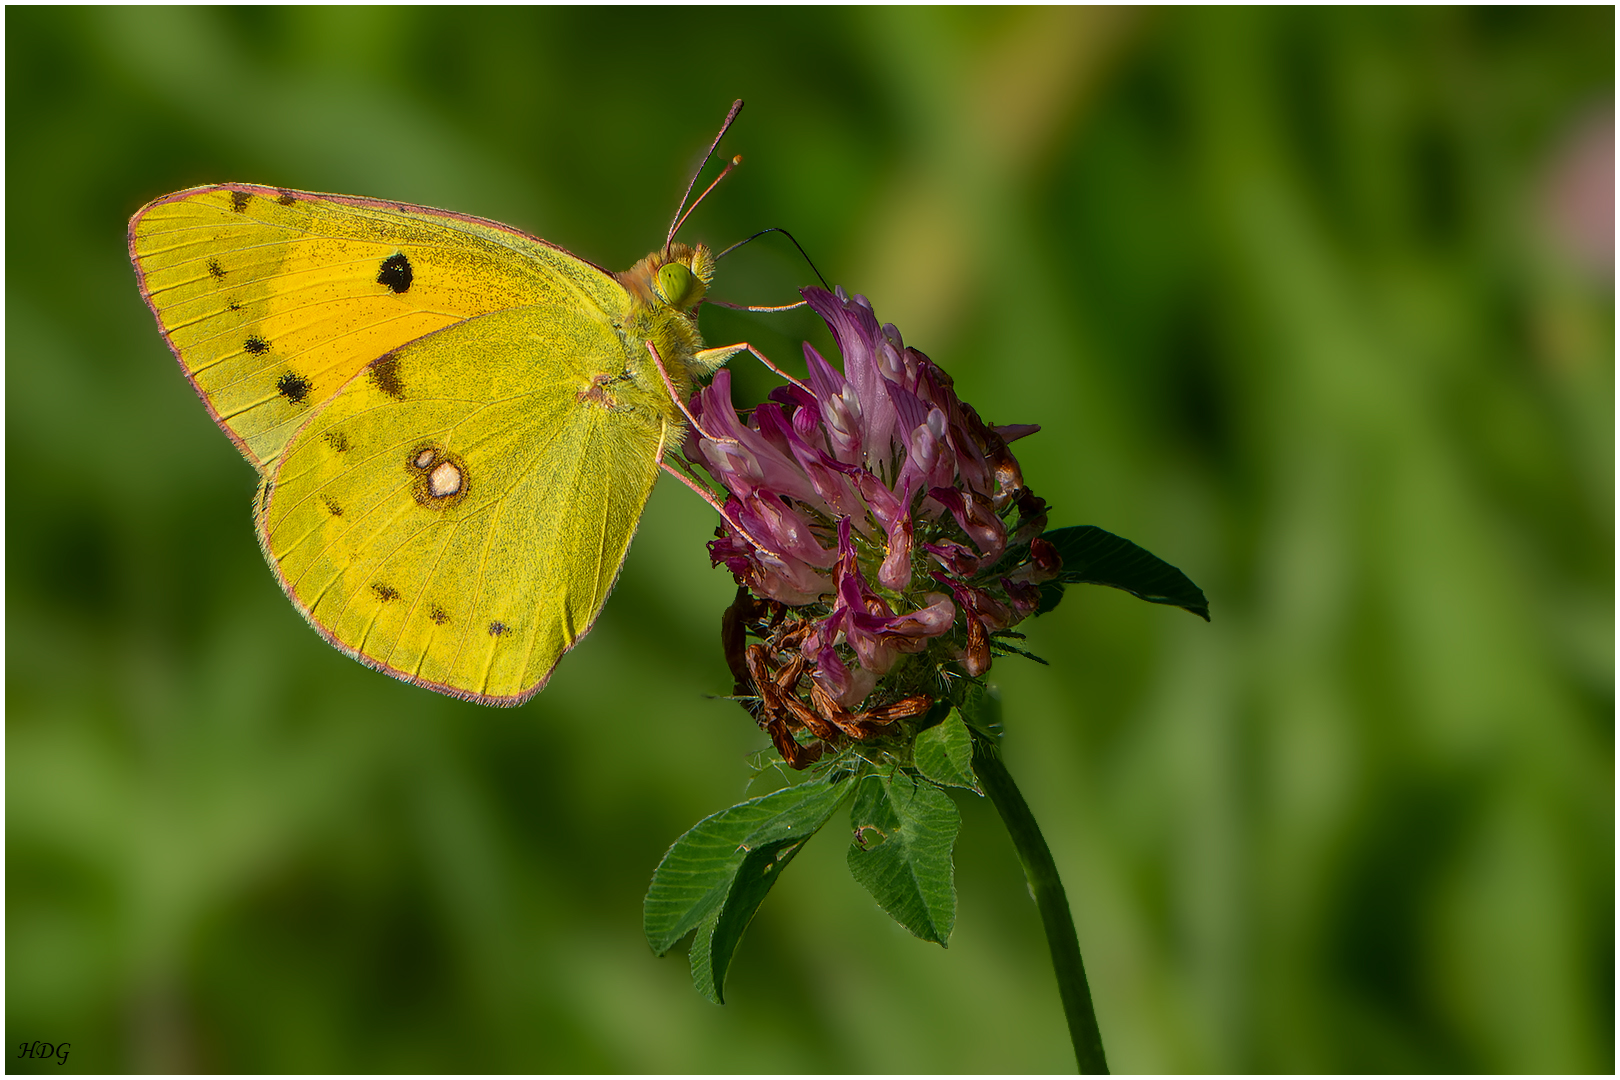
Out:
{"x": 1053, "y": 905}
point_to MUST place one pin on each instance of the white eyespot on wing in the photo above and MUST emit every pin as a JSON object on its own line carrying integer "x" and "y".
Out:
{"x": 444, "y": 480}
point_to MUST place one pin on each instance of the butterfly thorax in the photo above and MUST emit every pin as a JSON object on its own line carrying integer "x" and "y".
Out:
{"x": 665, "y": 289}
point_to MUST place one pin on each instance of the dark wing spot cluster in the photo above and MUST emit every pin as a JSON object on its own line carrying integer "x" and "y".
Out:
{"x": 286, "y": 198}
{"x": 216, "y": 270}
{"x": 438, "y": 615}
{"x": 396, "y": 273}
{"x": 235, "y": 305}
{"x": 293, "y": 386}
{"x": 256, "y": 345}
{"x": 384, "y": 372}
{"x": 385, "y": 593}
{"x": 240, "y": 200}
{"x": 497, "y": 628}
{"x": 331, "y": 507}
{"x": 338, "y": 441}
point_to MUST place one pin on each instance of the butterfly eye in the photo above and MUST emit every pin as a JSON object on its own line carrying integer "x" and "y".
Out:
{"x": 678, "y": 286}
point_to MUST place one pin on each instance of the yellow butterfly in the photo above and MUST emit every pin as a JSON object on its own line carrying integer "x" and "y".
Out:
{"x": 456, "y": 424}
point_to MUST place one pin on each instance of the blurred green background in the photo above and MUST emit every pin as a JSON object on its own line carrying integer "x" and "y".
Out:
{"x": 1316, "y": 305}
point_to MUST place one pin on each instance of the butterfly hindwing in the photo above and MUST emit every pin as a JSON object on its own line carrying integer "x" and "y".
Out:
{"x": 457, "y": 512}
{"x": 274, "y": 299}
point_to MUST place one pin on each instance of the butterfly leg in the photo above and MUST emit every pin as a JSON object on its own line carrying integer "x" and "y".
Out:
{"x": 669, "y": 385}
{"x": 704, "y": 493}
{"x": 709, "y": 360}
{"x": 709, "y": 497}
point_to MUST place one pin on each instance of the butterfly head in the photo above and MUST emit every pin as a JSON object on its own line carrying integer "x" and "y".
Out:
{"x": 676, "y": 277}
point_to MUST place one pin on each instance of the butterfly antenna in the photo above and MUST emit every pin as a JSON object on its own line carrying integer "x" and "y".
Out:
{"x": 675, "y": 228}
{"x": 736, "y": 107}
{"x": 795, "y": 243}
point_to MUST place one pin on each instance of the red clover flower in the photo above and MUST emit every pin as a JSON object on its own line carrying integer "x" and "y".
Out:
{"x": 881, "y": 533}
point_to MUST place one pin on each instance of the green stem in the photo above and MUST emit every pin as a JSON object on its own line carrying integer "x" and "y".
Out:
{"x": 1053, "y": 905}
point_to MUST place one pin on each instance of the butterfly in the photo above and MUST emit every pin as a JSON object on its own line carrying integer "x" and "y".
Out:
{"x": 456, "y": 425}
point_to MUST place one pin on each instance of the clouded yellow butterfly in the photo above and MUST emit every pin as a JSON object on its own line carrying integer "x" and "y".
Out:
{"x": 456, "y": 425}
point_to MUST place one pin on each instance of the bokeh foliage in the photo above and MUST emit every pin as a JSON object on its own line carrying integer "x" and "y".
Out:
{"x": 1279, "y": 287}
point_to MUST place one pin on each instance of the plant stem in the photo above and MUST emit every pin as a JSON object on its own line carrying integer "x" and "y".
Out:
{"x": 1050, "y": 900}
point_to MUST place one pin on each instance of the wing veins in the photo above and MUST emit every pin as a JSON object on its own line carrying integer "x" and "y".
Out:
{"x": 344, "y": 537}
{"x": 303, "y": 352}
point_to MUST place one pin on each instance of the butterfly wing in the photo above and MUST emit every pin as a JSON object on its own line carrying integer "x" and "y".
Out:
{"x": 457, "y": 513}
{"x": 271, "y": 300}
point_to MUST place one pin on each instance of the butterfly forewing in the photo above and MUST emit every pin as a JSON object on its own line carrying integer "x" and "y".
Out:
{"x": 272, "y": 300}
{"x": 457, "y": 512}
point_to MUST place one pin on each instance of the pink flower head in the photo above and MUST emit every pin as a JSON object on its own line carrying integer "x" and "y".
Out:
{"x": 885, "y": 525}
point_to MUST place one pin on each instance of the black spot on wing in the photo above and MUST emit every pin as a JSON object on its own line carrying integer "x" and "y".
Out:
{"x": 294, "y": 387}
{"x": 215, "y": 269}
{"x": 235, "y": 305}
{"x": 497, "y": 628}
{"x": 385, "y": 593}
{"x": 256, "y": 345}
{"x": 438, "y": 615}
{"x": 286, "y": 198}
{"x": 331, "y": 507}
{"x": 240, "y": 200}
{"x": 384, "y": 372}
{"x": 337, "y": 441}
{"x": 396, "y": 273}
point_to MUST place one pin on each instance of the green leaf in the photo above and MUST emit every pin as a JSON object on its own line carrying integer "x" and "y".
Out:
{"x": 1094, "y": 557}
{"x": 714, "y": 878}
{"x": 759, "y": 870}
{"x": 905, "y": 828}
{"x": 944, "y": 754}
{"x": 717, "y": 937}
{"x": 701, "y": 956}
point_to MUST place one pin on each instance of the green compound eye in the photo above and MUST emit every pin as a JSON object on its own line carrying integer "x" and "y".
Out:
{"x": 677, "y": 286}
